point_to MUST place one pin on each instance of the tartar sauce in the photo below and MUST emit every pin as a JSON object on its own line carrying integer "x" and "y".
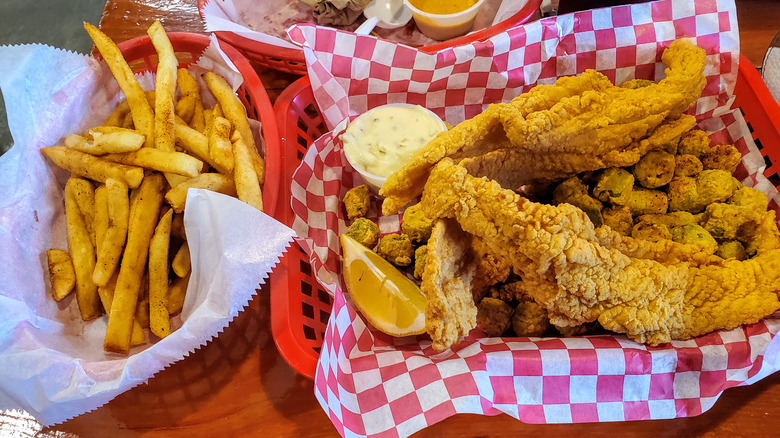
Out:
{"x": 382, "y": 140}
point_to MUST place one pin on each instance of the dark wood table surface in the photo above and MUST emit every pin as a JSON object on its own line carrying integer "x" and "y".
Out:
{"x": 239, "y": 384}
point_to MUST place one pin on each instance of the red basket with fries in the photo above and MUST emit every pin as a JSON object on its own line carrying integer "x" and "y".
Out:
{"x": 291, "y": 60}
{"x": 140, "y": 54}
{"x": 300, "y": 308}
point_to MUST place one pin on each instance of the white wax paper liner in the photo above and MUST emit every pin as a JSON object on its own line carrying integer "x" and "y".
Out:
{"x": 52, "y": 364}
{"x": 372, "y": 384}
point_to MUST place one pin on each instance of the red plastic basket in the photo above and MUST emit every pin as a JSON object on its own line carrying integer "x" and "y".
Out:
{"x": 141, "y": 55}
{"x": 291, "y": 60}
{"x": 300, "y": 307}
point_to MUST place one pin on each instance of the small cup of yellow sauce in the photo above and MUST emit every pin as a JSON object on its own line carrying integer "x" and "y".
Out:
{"x": 381, "y": 140}
{"x": 442, "y": 20}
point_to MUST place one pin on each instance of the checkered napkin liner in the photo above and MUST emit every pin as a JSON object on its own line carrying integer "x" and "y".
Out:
{"x": 371, "y": 384}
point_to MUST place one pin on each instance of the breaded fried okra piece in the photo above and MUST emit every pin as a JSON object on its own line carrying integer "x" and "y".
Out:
{"x": 420, "y": 254}
{"x": 687, "y": 165}
{"x": 510, "y": 292}
{"x": 364, "y": 231}
{"x": 613, "y": 182}
{"x": 694, "y": 235}
{"x": 694, "y": 143}
{"x": 644, "y": 201}
{"x": 725, "y": 157}
{"x": 763, "y": 237}
{"x": 575, "y": 192}
{"x": 619, "y": 219}
{"x": 654, "y": 169}
{"x": 728, "y": 221}
{"x": 670, "y": 220}
{"x": 650, "y": 232}
{"x": 749, "y": 197}
{"x": 494, "y": 316}
{"x": 714, "y": 185}
{"x": 396, "y": 249}
{"x": 416, "y": 225}
{"x": 357, "y": 201}
{"x": 731, "y": 249}
{"x": 683, "y": 194}
{"x": 530, "y": 319}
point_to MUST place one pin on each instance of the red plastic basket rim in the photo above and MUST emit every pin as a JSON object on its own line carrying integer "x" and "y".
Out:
{"x": 252, "y": 85}
{"x": 296, "y": 55}
{"x": 303, "y": 359}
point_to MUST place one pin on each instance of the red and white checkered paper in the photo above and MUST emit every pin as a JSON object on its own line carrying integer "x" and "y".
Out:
{"x": 371, "y": 384}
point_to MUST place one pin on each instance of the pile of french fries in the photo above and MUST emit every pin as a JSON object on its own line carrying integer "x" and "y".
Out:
{"x": 149, "y": 152}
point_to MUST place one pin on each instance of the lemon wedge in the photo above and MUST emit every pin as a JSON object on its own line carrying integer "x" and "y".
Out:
{"x": 386, "y": 297}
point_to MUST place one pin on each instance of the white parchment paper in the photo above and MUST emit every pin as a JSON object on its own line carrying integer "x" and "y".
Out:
{"x": 52, "y": 364}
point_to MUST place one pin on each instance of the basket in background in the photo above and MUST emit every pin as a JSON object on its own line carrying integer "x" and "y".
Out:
{"x": 300, "y": 308}
{"x": 292, "y": 61}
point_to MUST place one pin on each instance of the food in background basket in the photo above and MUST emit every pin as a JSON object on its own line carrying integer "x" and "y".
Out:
{"x": 442, "y": 20}
{"x": 337, "y": 12}
{"x": 356, "y": 201}
{"x": 121, "y": 236}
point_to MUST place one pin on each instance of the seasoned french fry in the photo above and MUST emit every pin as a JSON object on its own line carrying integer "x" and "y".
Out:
{"x": 235, "y": 112}
{"x": 244, "y": 175}
{"x": 142, "y": 312}
{"x": 114, "y": 240}
{"x": 177, "y": 196}
{"x": 143, "y": 116}
{"x": 90, "y": 167}
{"x": 143, "y": 217}
{"x": 165, "y": 88}
{"x": 176, "y": 293}
{"x": 81, "y": 252}
{"x": 159, "y": 321}
{"x": 190, "y": 92}
{"x": 101, "y": 216}
{"x": 217, "y": 111}
{"x": 177, "y": 226}
{"x": 220, "y": 148}
{"x": 159, "y": 160}
{"x": 181, "y": 261}
{"x": 192, "y": 142}
{"x": 208, "y": 118}
{"x": 185, "y": 108}
{"x": 128, "y": 122}
{"x": 84, "y": 193}
{"x": 118, "y": 115}
{"x": 106, "y": 140}
{"x": 107, "y": 296}
{"x": 61, "y": 273}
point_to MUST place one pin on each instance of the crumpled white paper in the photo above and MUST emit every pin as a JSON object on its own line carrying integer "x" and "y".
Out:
{"x": 52, "y": 364}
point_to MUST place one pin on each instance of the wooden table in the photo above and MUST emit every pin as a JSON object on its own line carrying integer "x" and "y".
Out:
{"x": 239, "y": 384}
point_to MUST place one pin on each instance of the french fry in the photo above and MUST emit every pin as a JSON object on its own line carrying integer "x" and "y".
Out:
{"x": 235, "y": 112}
{"x": 177, "y": 226}
{"x": 143, "y": 217}
{"x": 61, "y": 273}
{"x": 165, "y": 88}
{"x": 114, "y": 240}
{"x": 176, "y": 293}
{"x": 118, "y": 115}
{"x": 181, "y": 261}
{"x": 190, "y": 93}
{"x": 159, "y": 160}
{"x": 177, "y": 196}
{"x": 107, "y": 296}
{"x": 185, "y": 108}
{"x": 220, "y": 148}
{"x": 90, "y": 167}
{"x": 217, "y": 111}
{"x": 143, "y": 116}
{"x": 84, "y": 193}
{"x": 208, "y": 118}
{"x": 193, "y": 142}
{"x": 82, "y": 253}
{"x": 159, "y": 321}
{"x": 244, "y": 175}
{"x": 106, "y": 140}
{"x": 101, "y": 216}
{"x": 128, "y": 122}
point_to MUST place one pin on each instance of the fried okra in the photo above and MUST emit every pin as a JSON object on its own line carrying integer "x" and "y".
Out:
{"x": 575, "y": 192}
{"x": 714, "y": 186}
{"x": 725, "y": 157}
{"x": 357, "y": 201}
{"x": 396, "y": 249}
{"x": 731, "y": 249}
{"x": 683, "y": 194}
{"x": 416, "y": 225}
{"x": 530, "y": 319}
{"x": 364, "y": 231}
{"x": 728, "y": 221}
{"x": 494, "y": 316}
{"x": 694, "y": 235}
{"x": 650, "y": 232}
{"x": 749, "y": 197}
{"x": 654, "y": 169}
{"x": 510, "y": 292}
{"x": 644, "y": 201}
{"x": 687, "y": 165}
{"x": 694, "y": 143}
{"x": 670, "y": 220}
{"x": 613, "y": 183}
{"x": 619, "y": 219}
{"x": 420, "y": 254}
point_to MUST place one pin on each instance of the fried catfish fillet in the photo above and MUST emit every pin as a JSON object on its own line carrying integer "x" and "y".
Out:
{"x": 579, "y": 123}
{"x": 579, "y": 280}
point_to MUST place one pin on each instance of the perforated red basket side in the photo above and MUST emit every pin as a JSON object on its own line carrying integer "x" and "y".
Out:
{"x": 141, "y": 56}
{"x": 292, "y": 61}
{"x": 299, "y": 309}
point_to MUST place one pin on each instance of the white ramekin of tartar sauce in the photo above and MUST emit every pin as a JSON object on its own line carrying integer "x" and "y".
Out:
{"x": 383, "y": 139}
